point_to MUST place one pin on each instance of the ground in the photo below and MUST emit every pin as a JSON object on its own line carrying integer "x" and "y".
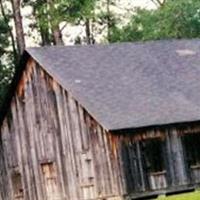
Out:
{"x": 188, "y": 196}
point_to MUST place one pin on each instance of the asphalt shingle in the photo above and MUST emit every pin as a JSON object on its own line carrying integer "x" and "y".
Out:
{"x": 130, "y": 85}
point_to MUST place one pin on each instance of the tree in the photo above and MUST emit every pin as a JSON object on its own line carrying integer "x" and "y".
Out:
{"x": 175, "y": 19}
{"x": 6, "y": 66}
{"x": 159, "y": 2}
{"x": 50, "y": 13}
{"x": 16, "y": 7}
{"x": 88, "y": 16}
{"x": 109, "y": 18}
{"x": 55, "y": 19}
{"x": 106, "y": 18}
{"x": 81, "y": 12}
{"x": 41, "y": 20}
{"x": 6, "y": 19}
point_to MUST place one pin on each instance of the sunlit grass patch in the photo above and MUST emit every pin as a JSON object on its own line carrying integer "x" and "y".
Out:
{"x": 187, "y": 196}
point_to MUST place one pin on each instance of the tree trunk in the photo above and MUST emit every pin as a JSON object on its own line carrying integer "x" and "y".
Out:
{"x": 108, "y": 19}
{"x": 87, "y": 31}
{"x": 18, "y": 25}
{"x": 43, "y": 30}
{"x": 57, "y": 35}
{"x": 56, "y": 32}
{"x": 45, "y": 36}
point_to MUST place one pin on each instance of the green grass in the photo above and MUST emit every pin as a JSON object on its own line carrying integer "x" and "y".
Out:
{"x": 188, "y": 196}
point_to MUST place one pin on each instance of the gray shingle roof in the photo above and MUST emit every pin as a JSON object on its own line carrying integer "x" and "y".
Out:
{"x": 130, "y": 85}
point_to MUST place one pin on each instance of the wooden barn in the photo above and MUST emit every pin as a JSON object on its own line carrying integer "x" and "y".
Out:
{"x": 102, "y": 122}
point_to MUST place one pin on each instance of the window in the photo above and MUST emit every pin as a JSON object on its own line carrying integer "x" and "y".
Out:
{"x": 191, "y": 145}
{"x": 153, "y": 161}
{"x": 153, "y": 156}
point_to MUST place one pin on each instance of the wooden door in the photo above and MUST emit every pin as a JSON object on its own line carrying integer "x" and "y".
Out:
{"x": 18, "y": 192}
{"x": 133, "y": 169}
{"x": 50, "y": 181}
{"x": 87, "y": 176}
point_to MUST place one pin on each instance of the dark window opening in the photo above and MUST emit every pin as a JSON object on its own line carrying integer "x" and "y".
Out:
{"x": 153, "y": 155}
{"x": 144, "y": 165}
{"x": 154, "y": 165}
{"x": 191, "y": 145}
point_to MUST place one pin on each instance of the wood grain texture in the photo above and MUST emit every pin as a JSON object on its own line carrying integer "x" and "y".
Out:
{"x": 52, "y": 148}
{"x": 47, "y": 127}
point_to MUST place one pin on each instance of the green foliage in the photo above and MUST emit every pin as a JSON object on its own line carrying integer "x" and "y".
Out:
{"x": 106, "y": 18}
{"x": 175, "y": 19}
{"x": 6, "y": 67}
{"x": 50, "y": 13}
{"x": 79, "y": 9}
{"x": 3, "y": 36}
{"x": 61, "y": 10}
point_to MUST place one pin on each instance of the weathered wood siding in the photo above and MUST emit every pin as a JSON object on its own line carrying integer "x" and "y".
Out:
{"x": 53, "y": 149}
{"x": 176, "y": 172}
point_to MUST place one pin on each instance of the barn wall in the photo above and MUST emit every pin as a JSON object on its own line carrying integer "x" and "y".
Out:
{"x": 177, "y": 172}
{"x": 3, "y": 174}
{"x": 53, "y": 149}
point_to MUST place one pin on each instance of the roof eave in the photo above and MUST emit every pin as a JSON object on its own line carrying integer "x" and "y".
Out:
{"x": 132, "y": 130}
